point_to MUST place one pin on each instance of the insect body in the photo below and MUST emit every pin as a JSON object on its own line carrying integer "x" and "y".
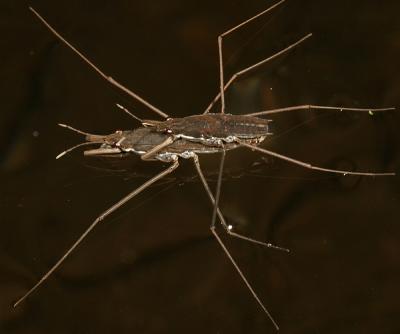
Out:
{"x": 141, "y": 140}
{"x": 187, "y": 137}
{"x": 214, "y": 129}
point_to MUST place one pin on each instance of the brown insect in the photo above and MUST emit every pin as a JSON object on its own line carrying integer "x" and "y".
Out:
{"x": 175, "y": 138}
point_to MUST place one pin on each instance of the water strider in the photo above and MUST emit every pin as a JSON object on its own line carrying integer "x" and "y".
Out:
{"x": 173, "y": 139}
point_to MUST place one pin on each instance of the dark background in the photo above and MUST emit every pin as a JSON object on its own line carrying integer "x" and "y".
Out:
{"x": 153, "y": 267}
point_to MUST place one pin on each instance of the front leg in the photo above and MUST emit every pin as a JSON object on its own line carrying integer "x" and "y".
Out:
{"x": 149, "y": 155}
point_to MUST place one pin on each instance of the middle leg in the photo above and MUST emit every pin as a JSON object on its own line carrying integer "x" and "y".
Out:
{"x": 221, "y": 243}
{"x": 227, "y": 228}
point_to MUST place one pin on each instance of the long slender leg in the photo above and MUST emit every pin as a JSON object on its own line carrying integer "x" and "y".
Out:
{"x": 226, "y": 33}
{"x": 218, "y": 190}
{"x": 98, "y": 220}
{"x": 310, "y": 106}
{"x": 102, "y": 74}
{"x": 100, "y": 151}
{"x": 225, "y": 249}
{"x": 309, "y": 166}
{"x": 214, "y": 232}
{"x": 227, "y": 227}
{"x": 247, "y": 69}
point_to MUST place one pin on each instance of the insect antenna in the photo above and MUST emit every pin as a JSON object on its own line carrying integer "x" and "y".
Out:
{"x": 77, "y": 130}
{"x": 76, "y": 146}
{"x": 88, "y": 136}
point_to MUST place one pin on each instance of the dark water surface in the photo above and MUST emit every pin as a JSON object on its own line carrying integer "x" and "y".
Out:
{"x": 153, "y": 266}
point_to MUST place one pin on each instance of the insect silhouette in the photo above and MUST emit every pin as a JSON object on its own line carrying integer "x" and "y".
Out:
{"x": 173, "y": 139}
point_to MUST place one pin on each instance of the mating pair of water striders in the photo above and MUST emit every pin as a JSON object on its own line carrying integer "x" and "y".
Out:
{"x": 175, "y": 138}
